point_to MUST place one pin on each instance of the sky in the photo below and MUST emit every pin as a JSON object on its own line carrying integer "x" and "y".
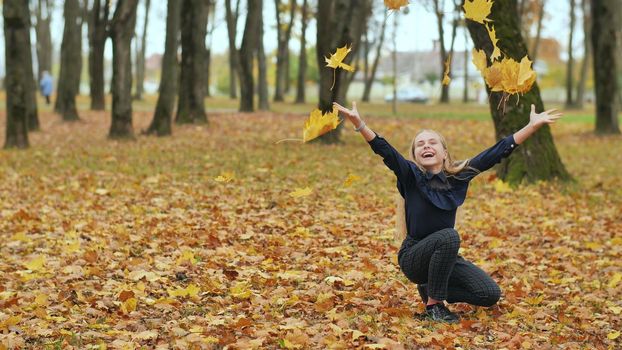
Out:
{"x": 416, "y": 30}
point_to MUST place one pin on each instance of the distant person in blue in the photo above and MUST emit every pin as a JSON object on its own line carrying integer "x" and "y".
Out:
{"x": 432, "y": 186}
{"x": 46, "y": 86}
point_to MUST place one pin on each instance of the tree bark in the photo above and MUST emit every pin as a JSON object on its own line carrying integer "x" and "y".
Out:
{"x": 605, "y": 46}
{"x": 44, "y": 36}
{"x": 250, "y": 42}
{"x": 369, "y": 82}
{"x": 121, "y": 30}
{"x": 283, "y": 35}
{"x": 98, "y": 33}
{"x": 191, "y": 103}
{"x": 536, "y": 42}
{"x": 208, "y": 52}
{"x": 537, "y": 158}
{"x": 302, "y": 57}
{"x": 465, "y": 88}
{"x": 162, "y": 118}
{"x": 586, "y": 54}
{"x": 140, "y": 56}
{"x": 261, "y": 65}
{"x": 70, "y": 62}
{"x": 234, "y": 61}
{"x": 338, "y": 24}
{"x": 17, "y": 52}
{"x": 570, "y": 64}
{"x": 441, "y": 38}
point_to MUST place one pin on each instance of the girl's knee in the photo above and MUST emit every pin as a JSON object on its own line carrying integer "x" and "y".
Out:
{"x": 451, "y": 238}
{"x": 492, "y": 296}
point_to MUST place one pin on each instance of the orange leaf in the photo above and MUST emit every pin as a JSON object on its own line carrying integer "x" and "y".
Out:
{"x": 446, "y": 78}
{"x": 395, "y": 4}
{"x": 319, "y": 124}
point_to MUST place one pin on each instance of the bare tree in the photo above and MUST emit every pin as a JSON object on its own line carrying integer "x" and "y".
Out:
{"x": 140, "y": 56}
{"x": 162, "y": 118}
{"x": 98, "y": 32}
{"x": 261, "y": 64}
{"x": 587, "y": 52}
{"x": 121, "y": 31}
{"x": 605, "y": 62}
{"x": 371, "y": 76}
{"x": 234, "y": 60}
{"x": 250, "y": 42}
{"x": 43, "y": 15}
{"x": 17, "y": 81}
{"x": 284, "y": 31}
{"x": 570, "y": 64}
{"x": 191, "y": 102}
{"x": 302, "y": 57}
{"x": 536, "y": 42}
{"x": 70, "y": 62}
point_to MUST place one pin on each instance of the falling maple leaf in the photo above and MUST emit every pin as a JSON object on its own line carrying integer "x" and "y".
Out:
{"x": 319, "y": 124}
{"x": 477, "y": 10}
{"x": 479, "y": 60}
{"x": 336, "y": 60}
{"x": 446, "y": 78}
{"x": 506, "y": 75}
{"x": 395, "y": 4}
{"x": 496, "y": 52}
{"x": 301, "y": 192}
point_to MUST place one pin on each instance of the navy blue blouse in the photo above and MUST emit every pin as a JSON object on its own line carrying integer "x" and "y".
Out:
{"x": 432, "y": 199}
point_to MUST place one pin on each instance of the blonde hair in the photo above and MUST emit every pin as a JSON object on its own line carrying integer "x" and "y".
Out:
{"x": 450, "y": 167}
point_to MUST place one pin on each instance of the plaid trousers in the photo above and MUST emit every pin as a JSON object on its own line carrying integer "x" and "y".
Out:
{"x": 434, "y": 260}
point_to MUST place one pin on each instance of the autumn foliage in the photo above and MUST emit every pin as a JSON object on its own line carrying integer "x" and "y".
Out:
{"x": 217, "y": 236}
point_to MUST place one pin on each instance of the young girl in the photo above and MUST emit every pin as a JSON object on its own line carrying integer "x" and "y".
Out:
{"x": 432, "y": 186}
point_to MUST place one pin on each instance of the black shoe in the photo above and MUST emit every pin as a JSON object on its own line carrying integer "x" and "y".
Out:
{"x": 439, "y": 312}
{"x": 423, "y": 292}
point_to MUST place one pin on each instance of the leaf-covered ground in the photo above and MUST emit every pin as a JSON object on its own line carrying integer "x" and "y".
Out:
{"x": 194, "y": 241}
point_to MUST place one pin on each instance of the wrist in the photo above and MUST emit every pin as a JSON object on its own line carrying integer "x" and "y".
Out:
{"x": 358, "y": 127}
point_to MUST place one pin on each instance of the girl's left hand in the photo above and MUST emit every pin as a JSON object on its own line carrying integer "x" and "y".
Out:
{"x": 546, "y": 117}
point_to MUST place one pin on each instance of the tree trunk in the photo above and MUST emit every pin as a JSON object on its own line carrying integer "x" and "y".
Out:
{"x": 536, "y": 42}
{"x": 31, "y": 93}
{"x": 261, "y": 65}
{"x": 465, "y": 88}
{"x": 17, "y": 52}
{"x": 250, "y": 42}
{"x": 586, "y": 54}
{"x": 372, "y": 74}
{"x": 140, "y": 56}
{"x": 208, "y": 52}
{"x": 234, "y": 60}
{"x": 570, "y": 64}
{"x": 70, "y": 63}
{"x": 537, "y": 158}
{"x": 283, "y": 35}
{"x": 162, "y": 118}
{"x": 121, "y": 30}
{"x": 604, "y": 46}
{"x": 44, "y": 37}
{"x": 394, "y": 65}
{"x": 98, "y": 32}
{"x": 443, "y": 52}
{"x": 302, "y": 58}
{"x": 338, "y": 24}
{"x": 191, "y": 102}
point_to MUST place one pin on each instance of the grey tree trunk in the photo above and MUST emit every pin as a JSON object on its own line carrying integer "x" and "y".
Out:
{"x": 537, "y": 158}
{"x": 587, "y": 52}
{"x": 443, "y": 51}
{"x": 191, "y": 103}
{"x": 17, "y": 83}
{"x": 43, "y": 14}
{"x": 302, "y": 58}
{"x": 465, "y": 88}
{"x": 162, "y": 118}
{"x": 208, "y": 52}
{"x": 605, "y": 46}
{"x": 369, "y": 82}
{"x": 234, "y": 60}
{"x": 250, "y": 42}
{"x": 261, "y": 65}
{"x": 98, "y": 32}
{"x": 283, "y": 35}
{"x": 140, "y": 56}
{"x": 70, "y": 62}
{"x": 570, "y": 64}
{"x": 338, "y": 24}
{"x": 536, "y": 42}
{"x": 121, "y": 31}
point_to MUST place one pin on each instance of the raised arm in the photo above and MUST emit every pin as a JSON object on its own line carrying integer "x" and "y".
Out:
{"x": 536, "y": 121}
{"x": 391, "y": 157}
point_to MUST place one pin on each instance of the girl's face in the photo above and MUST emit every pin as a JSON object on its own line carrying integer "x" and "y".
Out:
{"x": 429, "y": 151}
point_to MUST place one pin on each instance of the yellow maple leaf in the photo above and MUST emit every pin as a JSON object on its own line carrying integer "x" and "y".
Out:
{"x": 190, "y": 291}
{"x": 613, "y": 335}
{"x": 241, "y": 290}
{"x": 395, "y": 4}
{"x": 319, "y": 124}
{"x": 226, "y": 176}
{"x": 129, "y": 305}
{"x": 350, "y": 180}
{"x": 446, "y": 78}
{"x": 617, "y": 277}
{"x": 479, "y": 60}
{"x": 336, "y": 60}
{"x": 477, "y": 10}
{"x": 36, "y": 264}
{"x": 301, "y": 192}
{"x": 492, "y": 33}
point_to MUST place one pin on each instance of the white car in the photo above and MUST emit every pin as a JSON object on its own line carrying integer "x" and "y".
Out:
{"x": 410, "y": 94}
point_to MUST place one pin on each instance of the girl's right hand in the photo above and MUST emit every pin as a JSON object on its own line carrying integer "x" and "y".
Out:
{"x": 351, "y": 114}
